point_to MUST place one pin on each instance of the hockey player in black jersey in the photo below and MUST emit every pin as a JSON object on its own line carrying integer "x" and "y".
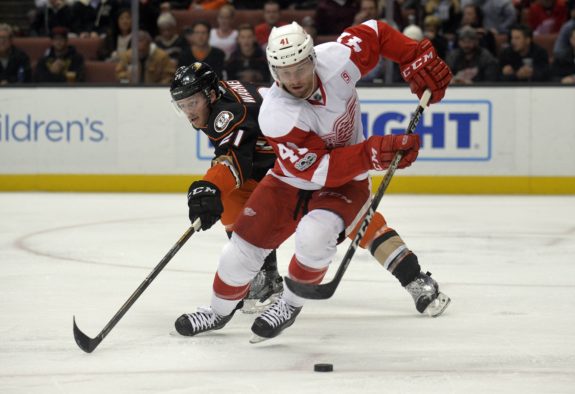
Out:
{"x": 227, "y": 112}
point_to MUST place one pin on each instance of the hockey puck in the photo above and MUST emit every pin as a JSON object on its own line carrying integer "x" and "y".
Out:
{"x": 323, "y": 367}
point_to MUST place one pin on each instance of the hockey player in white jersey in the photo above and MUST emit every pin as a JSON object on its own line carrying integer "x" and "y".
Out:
{"x": 319, "y": 188}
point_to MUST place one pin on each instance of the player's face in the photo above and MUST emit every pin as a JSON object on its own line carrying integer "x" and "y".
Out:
{"x": 298, "y": 79}
{"x": 196, "y": 109}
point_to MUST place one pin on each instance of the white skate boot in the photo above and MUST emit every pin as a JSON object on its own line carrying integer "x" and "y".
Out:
{"x": 425, "y": 292}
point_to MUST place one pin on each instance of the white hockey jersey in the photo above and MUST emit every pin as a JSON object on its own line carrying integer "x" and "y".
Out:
{"x": 318, "y": 141}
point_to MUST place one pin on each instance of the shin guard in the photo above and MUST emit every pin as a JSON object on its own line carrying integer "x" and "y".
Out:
{"x": 392, "y": 253}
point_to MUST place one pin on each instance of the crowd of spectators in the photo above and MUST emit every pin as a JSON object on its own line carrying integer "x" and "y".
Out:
{"x": 481, "y": 40}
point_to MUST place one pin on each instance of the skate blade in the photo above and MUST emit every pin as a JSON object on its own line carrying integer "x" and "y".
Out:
{"x": 438, "y": 306}
{"x": 257, "y": 339}
{"x": 256, "y": 306}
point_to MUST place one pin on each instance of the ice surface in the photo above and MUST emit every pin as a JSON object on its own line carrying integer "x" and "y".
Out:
{"x": 508, "y": 263}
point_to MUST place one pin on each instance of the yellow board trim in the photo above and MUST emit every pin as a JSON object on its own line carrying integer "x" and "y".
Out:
{"x": 399, "y": 184}
{"x": 482, "y": 185}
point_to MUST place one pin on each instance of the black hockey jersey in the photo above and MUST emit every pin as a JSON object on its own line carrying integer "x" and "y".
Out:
{"x": 234, "y": 132}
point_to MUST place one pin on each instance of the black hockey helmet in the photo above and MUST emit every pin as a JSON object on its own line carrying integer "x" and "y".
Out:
{"x": 197, "y": 77}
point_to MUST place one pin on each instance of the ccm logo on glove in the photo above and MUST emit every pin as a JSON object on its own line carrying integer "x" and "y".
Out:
{"x": 427, "y": 71}
{"x": 382, "y": 150}
{"x": 203, "y": 190}
{"x": 417, "y": 63}
{"x": 205, "y": 203}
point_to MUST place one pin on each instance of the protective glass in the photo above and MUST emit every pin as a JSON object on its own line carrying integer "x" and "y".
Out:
{"x": 190, "y": 105}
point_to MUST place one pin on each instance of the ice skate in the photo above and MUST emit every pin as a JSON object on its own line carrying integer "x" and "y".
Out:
{"x": 265, "y": 289}
{"x": 205, "y": 319}
{"x": 279, "y": 316}
{"x": 425, "y": 292}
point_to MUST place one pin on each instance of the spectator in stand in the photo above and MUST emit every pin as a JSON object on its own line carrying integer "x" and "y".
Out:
{"x": 225, "y": 36}
{"x": 271, "y": 19}
{"x": 562, "y": 41}
{"x": 547, "y": 16}
{"x": 405, "y": 13}
{"x": 414, "y": 32}
{"x": 169, "y": 40}
{"x": 524, "y": 61}
{"x": 498, "y": 15}
{"x": 308, "y": 24}
{"x": 198, "y": 48}
{"x": 470, "y": 63}
{"x": 53, "y": 13}
{"x": 149, "y": 13}
{"x": 248, "y": 63}
{"x": 432, "y": 31}
{"x": 334, "y": 16}
{"x": 155, "y": 66}
{"x": 564, "y": 63}
{"x": 14, "y": 63}
{"x": 118, "y": 38}
{"x": 473, "y": 16}
{"x": 448, "y": 12}
{"x": 62, "y": 63}
{"x": 93, "y": 18}
{"x": 368, "y": 9}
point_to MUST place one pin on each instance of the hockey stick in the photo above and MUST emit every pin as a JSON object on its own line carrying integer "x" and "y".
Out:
{"x": 88, "y": 344}
{"x": 326, "y": 290}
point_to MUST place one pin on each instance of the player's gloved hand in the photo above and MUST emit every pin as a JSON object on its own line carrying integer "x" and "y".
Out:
{"x": 205, "y": 202}
{"x": 382, "y": 150}
{"x": 427, "y": 71}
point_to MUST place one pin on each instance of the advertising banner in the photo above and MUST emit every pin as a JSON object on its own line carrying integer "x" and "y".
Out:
{"x": 108, "y": 132}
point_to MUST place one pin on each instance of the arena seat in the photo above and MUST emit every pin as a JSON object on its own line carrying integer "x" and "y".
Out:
{"x": 546, "y": 41}
{"x": 88, "y": 47}
{"x": 187, "y": 17}
{"x": 100, "y": 72}
{"x": 501, "y": 41}
{"x": 35, "y": 47}
{"x": 296, "y": 15}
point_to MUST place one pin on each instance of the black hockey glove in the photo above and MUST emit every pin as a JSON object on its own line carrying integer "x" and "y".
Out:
{"x": 204, "y": 201}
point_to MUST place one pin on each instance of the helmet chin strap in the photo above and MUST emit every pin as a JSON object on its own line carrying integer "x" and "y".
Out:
{"x": 314, "y": 86}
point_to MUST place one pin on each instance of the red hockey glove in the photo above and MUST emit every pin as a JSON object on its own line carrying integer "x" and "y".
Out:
{"x": 427, "y": 71}
{"x": 382, "y": 150}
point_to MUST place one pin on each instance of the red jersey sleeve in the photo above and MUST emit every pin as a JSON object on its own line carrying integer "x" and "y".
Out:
{"x": 303, "y": 155}
{"x": 373, "y": 39}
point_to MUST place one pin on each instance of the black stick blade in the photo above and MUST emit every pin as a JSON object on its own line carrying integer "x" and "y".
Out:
{"x": 311, "y": 291}
{"x": 85, "y": 343}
